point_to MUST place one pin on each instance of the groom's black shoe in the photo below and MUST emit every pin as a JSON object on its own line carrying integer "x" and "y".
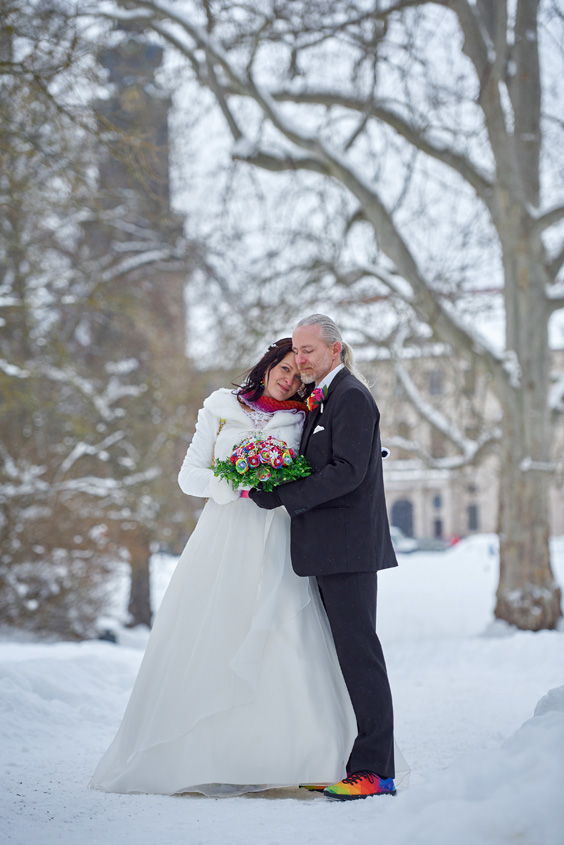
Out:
{"x": 360, "y": 785}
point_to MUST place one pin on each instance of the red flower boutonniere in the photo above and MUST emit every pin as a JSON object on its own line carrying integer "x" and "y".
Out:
{"x": 317, "y": 398}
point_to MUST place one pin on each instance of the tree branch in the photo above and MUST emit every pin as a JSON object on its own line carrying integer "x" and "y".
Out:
{"x": 548, "y": 218}
{"x": 245, "y": 150}
{"x": 469, "y": 449}
{"x": 330, "y": 162}
{"x": 481, "y": 51}
{"x": 481, "y": 183}
{"x": 554, "y": 267}
{"x": 555, "y": 295}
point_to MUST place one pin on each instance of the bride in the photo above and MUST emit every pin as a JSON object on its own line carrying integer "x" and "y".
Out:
{"x": 240, "y": 689}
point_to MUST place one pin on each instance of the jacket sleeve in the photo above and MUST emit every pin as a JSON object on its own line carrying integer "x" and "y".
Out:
{"x": 195, "y": 474}
{"x": 355, "y": 418}
{"x": 196, "y": 477}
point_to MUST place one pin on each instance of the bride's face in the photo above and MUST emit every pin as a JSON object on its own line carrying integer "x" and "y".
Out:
{"x": 283, "y": 379}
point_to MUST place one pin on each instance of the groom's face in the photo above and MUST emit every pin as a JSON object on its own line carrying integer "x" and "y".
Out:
{"x": 314, "y": 358}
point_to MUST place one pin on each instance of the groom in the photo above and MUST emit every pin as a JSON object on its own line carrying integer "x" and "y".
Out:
{"x": 340, "y": 534}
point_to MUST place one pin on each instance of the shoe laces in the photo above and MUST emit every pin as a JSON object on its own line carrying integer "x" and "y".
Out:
{"x": 359, "y": 776}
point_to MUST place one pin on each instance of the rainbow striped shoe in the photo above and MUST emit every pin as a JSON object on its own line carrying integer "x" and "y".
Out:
{"x": 360, "y": 785}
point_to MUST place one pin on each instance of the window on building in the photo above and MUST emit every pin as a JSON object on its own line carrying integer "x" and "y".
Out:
{"x": 469, "y": 376}
{"x": 473, "y": 520}
{"x": 402, "y": 516}
{"x": 438, "y": 528}
{"x": 436, "y": 382}
{"x": 437, "y": 502}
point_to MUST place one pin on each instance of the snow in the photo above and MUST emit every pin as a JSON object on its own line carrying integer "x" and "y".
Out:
{"x": 512, "y": 367}
{"x": 127, "y": 365}
{"x": 244, "y": 148}
{"x": 485, "y": 769}
{"x": 528, "y": 465}
{"x": 12, "y": 370}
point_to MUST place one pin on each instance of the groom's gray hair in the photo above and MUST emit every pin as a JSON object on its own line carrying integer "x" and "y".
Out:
{"x": 329, "y": 333}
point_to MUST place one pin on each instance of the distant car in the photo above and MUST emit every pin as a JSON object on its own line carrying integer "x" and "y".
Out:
{"x": 432, "y": 544}
{"x": 401, "y": 542}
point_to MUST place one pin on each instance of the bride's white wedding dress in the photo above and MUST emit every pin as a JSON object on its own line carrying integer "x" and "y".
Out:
{"x": 240, "y": 688}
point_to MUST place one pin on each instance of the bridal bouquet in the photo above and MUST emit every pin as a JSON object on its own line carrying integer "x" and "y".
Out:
{"x": 268, "y": 462}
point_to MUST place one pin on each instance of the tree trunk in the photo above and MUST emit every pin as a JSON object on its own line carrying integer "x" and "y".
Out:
{"x": 528, "y": 595}
{"x": 140, "y": 594}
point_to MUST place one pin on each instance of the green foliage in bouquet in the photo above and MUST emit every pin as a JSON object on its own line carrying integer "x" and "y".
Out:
{"x": 268, "y": 462}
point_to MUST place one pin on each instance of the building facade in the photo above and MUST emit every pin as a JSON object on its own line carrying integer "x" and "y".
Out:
{"x": 428, "y": 496}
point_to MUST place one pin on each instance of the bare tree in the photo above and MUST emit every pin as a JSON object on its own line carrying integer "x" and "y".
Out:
{"x": 93, "y": 391}
{"x": 438, "y": 125}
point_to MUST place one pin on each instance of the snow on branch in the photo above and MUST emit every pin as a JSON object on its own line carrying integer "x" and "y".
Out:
{"x": 142, "y": 232}
{"x": 480, "y": 181}
{"x": 12, "y": 370}
{"x": 114, "y": 390}
{"x": 86, "y": 387}
{"x": 245, "y": 150}
{"x": 322, "y": 158}
{"x": 475, "y": 343}
{"x": 10, "y": 301}
{"x": 92, "y": 485}
{"x": 512, "y": 367}
{"x": 333, "y": 163}
{"x": 528, "y": 465}
{"x": 134, "y": 262}
{"x": 81, "y": 448}
{"x": 318, "y": 155}
{"x": 100, "y": 487}
{"x": 25, "y": 479}
{"x": 468, "y": 448}
{"x": 393, "y": 281}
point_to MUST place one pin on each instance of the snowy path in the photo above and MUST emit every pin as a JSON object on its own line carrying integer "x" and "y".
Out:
{"x": 460, "y": 696}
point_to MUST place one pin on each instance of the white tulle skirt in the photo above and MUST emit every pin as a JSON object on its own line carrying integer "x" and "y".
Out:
{"x": 240, "y": 688}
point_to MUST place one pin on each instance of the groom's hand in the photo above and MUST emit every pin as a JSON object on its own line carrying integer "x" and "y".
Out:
{"x": 265, "y": 500}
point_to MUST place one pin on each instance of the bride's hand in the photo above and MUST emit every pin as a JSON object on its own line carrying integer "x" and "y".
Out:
{"x": 221, "y": 491}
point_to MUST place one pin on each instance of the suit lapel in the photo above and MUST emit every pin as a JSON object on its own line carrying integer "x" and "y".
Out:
{"x": 308, "y": 428}
{"x": 338, "y": 378}
{"x": 313, "y": 416}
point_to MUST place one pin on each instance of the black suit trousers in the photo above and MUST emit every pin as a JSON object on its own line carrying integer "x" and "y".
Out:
{"x": 350, "y": 602}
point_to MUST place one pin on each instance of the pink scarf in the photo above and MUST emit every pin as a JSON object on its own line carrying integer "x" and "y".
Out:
{"x": 270, "y": 405}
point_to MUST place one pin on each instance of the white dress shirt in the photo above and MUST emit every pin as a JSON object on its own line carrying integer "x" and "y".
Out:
{"x": 325, "y": 382}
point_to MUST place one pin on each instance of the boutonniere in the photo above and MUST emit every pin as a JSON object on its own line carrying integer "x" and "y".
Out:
{"x": 316, "y": 398}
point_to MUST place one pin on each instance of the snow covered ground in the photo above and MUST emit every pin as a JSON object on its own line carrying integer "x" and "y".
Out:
{"x": 484, "y": 768}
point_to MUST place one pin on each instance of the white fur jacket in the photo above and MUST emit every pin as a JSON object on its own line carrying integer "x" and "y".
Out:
{"x": 196, "y": 477}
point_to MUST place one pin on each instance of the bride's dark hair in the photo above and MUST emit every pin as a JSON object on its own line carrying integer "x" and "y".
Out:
{"x": 253, "y": 384}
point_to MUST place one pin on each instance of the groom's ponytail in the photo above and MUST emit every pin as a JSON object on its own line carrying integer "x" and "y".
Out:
{"x": 330, "y": 333}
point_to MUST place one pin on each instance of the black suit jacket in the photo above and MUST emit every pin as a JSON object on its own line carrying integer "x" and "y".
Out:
{"x": 339, "y": 518}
